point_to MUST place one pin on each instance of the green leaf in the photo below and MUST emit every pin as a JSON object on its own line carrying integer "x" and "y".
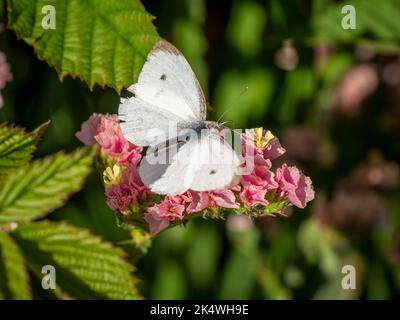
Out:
{"x": 35, "y": 190}
{"x": 238, "y": 277}
{"x": 202, "y": 255}
{"x": 2, "y": 10}
{"x": 16, "y": 146}
{"x": 300, "y": 84}
{"x": 321, "y": 246}
{"x": 86, "y": 267}
{"x": 169, "y": 282}
{"x": 376, "y": 22}
{"x": 246, "y": 27}
{"x": 190, "y": 39}
{"x": 100, "y": 41}
{"x": 244, "y": 97}
{"x": 272, "y": 286}
{"x": 13, "y": 275}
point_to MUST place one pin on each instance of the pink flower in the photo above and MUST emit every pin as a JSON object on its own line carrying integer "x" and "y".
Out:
{"x": 296, "y": 186}
{"x": 261, "y": 175}
{"x": 198, "y": 201}
{"x": 222, "y": 198}
{"x": 128, "y": 192}
{"x": 261, "y": 142}
{"x": 5, "y": 75}
{"x": 211, "y": 199}
{"x": 357, "y": 84}
{"x": 171, "y": 209}
{"x": 120, "y": 197}
{"x": 89, "y": 129}
{"x": 180, "y": 198}
{"x": 157, "y": 223}
{"x": 252, "y": 195}
{"x": 273, "y": 150}
{"x": 105, "y": 130}
{"x": 160, "y": 215}
{"x": 112, "y": 142}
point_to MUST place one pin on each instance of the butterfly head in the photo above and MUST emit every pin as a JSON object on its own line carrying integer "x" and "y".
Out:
{"x": 213, "y": 126}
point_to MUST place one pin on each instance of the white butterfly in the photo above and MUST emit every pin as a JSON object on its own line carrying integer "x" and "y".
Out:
{"x": 168, "y": 95}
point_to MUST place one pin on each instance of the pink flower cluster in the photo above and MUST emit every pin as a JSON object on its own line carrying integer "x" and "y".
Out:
{"x": 105, "y": 130}
{"x": 5, "y": 75}
{"x": 288, "y": 182}
{"x": 125, "y": 190}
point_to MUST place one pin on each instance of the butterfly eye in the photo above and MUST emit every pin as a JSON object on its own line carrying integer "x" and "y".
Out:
{"x": 213, "y": 172}
{"x": 163, "y": 77}
{"x": 187, "y": 138}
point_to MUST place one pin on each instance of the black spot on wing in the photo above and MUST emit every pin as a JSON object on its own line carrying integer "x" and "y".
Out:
{"x": 213, "y": 172}
{"x": 163, "y": 76}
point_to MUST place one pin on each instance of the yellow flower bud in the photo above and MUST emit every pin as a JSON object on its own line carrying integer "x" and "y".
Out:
{"x": 112, "y": 176}
{"x": 262, "y": 138}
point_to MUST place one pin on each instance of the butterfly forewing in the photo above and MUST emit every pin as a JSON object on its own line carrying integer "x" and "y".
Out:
{"x": 167, "y": 94}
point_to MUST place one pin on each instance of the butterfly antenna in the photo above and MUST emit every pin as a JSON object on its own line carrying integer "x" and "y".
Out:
{"x": 233, "y": 104}
{"x": 225, "y": 122}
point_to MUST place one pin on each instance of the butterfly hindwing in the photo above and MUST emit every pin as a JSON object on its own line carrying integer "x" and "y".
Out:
{"x": 158, "y": 159}
{"x": 214, "y": 165}
{"x": 200, "y": 165}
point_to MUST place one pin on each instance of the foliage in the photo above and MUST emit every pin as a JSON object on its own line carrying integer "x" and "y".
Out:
{"x": 86, "y": 266}
{"x": 14, "y": 276}
{"x": 17, "y": 147}
{"x": 103, "y": 42}
{"x": 33, "y": 191}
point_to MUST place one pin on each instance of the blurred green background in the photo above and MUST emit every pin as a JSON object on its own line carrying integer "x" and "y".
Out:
{"x": 331, "y": 95}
